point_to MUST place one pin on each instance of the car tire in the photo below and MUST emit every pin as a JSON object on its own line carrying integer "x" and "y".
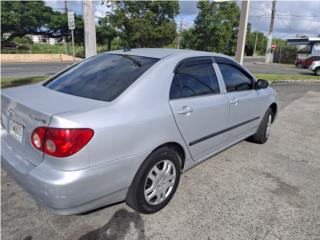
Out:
{"x": 317, "y": 71}
{"x": 262, "y": 134}
{"x": 155, "y": 182}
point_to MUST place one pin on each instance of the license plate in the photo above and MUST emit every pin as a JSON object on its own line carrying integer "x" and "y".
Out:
{"x": 16, "y": 130}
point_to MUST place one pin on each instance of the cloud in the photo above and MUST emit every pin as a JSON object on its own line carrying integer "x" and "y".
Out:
{"x": 188, "y": 8}
{"x": 292, "y": 17}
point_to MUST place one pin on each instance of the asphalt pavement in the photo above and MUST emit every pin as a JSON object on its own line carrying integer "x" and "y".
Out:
{"x": 254, "y": 64}
{"x": 32, "y": 69}
{"x": 250, "y": 191}
{"x": 275, "y": 68}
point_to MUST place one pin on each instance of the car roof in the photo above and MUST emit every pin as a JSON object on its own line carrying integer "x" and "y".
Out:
{"x": 162, "y": 52}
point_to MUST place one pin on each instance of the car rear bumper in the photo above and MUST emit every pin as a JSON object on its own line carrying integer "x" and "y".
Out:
{"x": 71, "y": 192}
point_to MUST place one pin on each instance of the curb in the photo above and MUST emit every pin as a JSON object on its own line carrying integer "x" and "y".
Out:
{"x": 294, "y": 81}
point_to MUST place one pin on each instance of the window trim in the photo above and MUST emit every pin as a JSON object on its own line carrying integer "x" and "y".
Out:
{"x": 235, "y": 64}
{"x": 191, "y": 61}
{"x": 232, "y": 63}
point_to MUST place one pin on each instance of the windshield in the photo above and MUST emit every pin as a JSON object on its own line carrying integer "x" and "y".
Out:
{"x": 103, "y": 77}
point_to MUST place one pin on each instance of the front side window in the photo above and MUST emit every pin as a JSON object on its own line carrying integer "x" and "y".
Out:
{"x": 103, "y": 77}
{"x": 194, "y": 80}
{"x": 234, "y": 78}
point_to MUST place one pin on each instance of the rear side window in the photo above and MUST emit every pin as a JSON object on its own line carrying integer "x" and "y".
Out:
{"x": 234, "y": 78}
{"x": 103, "y": 77}
{"x": 194, "y": 80}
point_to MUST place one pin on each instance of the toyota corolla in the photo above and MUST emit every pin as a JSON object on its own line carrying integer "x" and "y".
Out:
{"x": 123, "y": 126}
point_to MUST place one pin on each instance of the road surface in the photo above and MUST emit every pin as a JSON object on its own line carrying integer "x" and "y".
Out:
{"x": 254, "y": 64}
{"x": 32, "y": 69}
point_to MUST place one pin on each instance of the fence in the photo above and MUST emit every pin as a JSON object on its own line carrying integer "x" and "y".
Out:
{"x": 288, "y": 58}
{"x": 15, "y": 51}
{"x": 53, "y": 49}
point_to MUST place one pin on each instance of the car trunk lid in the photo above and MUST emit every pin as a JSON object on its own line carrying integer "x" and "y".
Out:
{"x": 25, "y": 108}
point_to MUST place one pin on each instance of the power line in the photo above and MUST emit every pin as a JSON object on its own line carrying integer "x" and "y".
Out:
{"x": 283, "y": 17}
{"x": 285, "y": 13}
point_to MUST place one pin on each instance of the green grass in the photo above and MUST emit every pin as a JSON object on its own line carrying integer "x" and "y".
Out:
{"x": 276, "y": 77}
{"x": 16, "y": 81}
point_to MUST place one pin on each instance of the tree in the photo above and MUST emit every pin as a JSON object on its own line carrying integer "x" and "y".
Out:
{"x": 33, "y": 17}
{"x": 20, "y": 18}
{"x": 216, "y": 26}
{"x": 143, "y": 23}
{"x": 250, "y": 42}
{"x": 188, "y": 38}
{"x": 105, "y": 32}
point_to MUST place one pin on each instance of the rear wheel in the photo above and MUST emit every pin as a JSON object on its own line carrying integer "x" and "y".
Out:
{"x": 264, "y": 129}
{"x": 155, "y": 182}
{"x": 317, "y": 71}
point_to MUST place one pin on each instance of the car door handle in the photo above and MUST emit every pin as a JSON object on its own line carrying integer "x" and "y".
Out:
{"x": 234, "y": 101}
{"x": 185, "y": 110}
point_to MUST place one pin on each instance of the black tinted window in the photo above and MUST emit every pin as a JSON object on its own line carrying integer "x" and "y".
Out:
{"x": 194, "y": 80}
{"x": 103, "y": 77}
{"x": 234, "y": 79}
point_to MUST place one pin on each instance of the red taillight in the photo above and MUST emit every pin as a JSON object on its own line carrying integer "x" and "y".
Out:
{"x": 60, "y": 142}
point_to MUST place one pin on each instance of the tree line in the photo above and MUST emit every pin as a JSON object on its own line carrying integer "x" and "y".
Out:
{"x": 137, "y": 24}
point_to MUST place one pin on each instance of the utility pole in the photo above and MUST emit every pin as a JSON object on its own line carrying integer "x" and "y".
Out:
{"x": 180, "y": 32}
{"x": 89, "y": 28}
{"x": 65, "y": 6}
{"x": 255, "y": 45}
{"x": 65, "y": 38}
{"x": 269, "y": 56}
{"x": 241, "y": 42}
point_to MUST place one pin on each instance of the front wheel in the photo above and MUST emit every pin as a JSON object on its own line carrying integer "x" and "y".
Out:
{"x": 262, "y": 134}
{"x": 155, "y": 182}
{"x": 317, "y": 71}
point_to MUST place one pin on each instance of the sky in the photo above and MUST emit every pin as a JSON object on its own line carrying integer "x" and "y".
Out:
{"x": 292, "y": 17}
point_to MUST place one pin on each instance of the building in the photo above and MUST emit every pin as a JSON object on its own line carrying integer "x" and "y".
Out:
{"x": 42, "y": 39}
{"x": 36, "y": 38}
{"x": 310, "y": 44}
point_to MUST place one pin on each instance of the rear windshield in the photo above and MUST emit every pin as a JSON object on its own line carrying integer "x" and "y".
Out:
{"x": 102, "y": 77}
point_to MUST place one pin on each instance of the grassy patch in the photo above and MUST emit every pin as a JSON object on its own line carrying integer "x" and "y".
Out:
{"x": 275, "y": 77}
{"x": 16, "y": 81}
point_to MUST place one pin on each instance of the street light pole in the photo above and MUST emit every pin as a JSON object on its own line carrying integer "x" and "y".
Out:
{"x": 65, "y": 38}
{"x": 89, "y": 28}
{"x": 268, "y": 57}
{"x": 179, "y": 36}
{"x": 255, "y": 45}
{"x": 241, "y": 42}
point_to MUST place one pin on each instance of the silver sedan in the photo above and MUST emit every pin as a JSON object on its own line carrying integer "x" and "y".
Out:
{"x": 123, "y": 126}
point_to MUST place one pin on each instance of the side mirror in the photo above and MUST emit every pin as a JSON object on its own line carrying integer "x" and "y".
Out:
{"x": 261, "y": 84}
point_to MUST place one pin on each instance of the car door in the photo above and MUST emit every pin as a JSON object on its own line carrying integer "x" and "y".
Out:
{"x": 200, "y": 110}
{"x": 244, "y": 101}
